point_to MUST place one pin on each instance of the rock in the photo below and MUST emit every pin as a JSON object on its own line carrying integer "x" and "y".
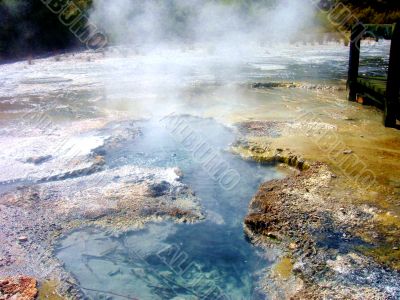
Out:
{"x": 395, "y": 248}
{"x": 178, "y": 172}
{"x": 347, "y": 152}
{"x": 23, "y": 239}
{"x": 292, "y": 246}
{"x": 100, "y": 160}
{"x": 266, "y": 85}
{"x": 159, "y": 189}
{"x": 298, "y": 267}
{"x": 179, "y": 213}
{"x": 272, "y": 235}
{"x": 21, "y": 288}
{"x": 37, "y": 160}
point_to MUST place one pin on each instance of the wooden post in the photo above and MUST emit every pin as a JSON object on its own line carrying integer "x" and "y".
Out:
{"x": 354, "y": 61}
{"x": 392, "y": 106}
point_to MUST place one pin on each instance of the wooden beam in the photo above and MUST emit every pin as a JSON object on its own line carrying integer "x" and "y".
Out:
{"x": 392, "y": 106}
{"x": 357, "y": 33}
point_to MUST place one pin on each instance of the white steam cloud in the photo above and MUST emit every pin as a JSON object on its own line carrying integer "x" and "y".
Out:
{"x": 183, "y": 48}
{"x": 154, "y": 22}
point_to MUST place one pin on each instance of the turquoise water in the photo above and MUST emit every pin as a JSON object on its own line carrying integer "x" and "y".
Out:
{"x": 208, "y": 260}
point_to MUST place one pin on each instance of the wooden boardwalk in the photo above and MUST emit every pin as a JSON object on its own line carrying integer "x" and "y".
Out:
{"x": 383, "y": 92}
{"x": 372, "y": 88}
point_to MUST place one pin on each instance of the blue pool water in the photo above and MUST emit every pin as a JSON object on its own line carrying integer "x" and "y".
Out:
{"x": 208, "y": 260}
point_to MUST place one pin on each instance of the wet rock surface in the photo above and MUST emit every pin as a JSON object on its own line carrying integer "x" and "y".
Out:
{"x": 323, "y": 227}
{"x": 291, "y": 85}
{"x": 78, "y": 93}
{"x": 320, "y": 233}
{"x": 259, "y": 128}
{"x": 38, "y": 159}
{"x": 159, "y": 189}
{"x": 48, "y": 153}
{"x": 265, "y": 153}
{"x": 34, "y": 215}
{"x": 115, "y": 198}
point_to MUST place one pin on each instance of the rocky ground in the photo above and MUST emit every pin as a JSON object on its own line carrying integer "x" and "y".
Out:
{"x": 21, "y": 287}
{"x": 333, "y": 240}
{"x": 299, "y": 85}
{"x": 329, "y": 232}
{"x": 337, "y": 232}
{"x": 90, "y": 192}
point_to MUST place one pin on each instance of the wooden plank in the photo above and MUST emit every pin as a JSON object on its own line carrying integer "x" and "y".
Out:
{"x": 382, "y": 90}
{"x": 377, "y": 85}
{"x": 368, "y": 93}
{"x": 392, "y": 106}
{"x": 357, "y": 33}
{"x": 381, "y": 78}
{"x": 374, "y": 88}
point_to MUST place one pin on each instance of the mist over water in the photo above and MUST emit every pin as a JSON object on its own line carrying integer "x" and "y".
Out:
{"x": 223, "y": 24}
{"x": 171, "y": 54}
{"x": 166, "y": 48}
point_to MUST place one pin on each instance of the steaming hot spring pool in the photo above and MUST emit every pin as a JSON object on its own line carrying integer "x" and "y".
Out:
{"x": 210, "y": 259}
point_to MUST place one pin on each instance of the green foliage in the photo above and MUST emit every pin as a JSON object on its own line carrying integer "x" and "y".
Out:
{"x": 367, "y": 12}
{"x": 375, "y": 11}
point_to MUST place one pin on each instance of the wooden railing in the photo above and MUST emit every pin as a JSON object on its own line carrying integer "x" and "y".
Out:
{"x": 390, "y": 97}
